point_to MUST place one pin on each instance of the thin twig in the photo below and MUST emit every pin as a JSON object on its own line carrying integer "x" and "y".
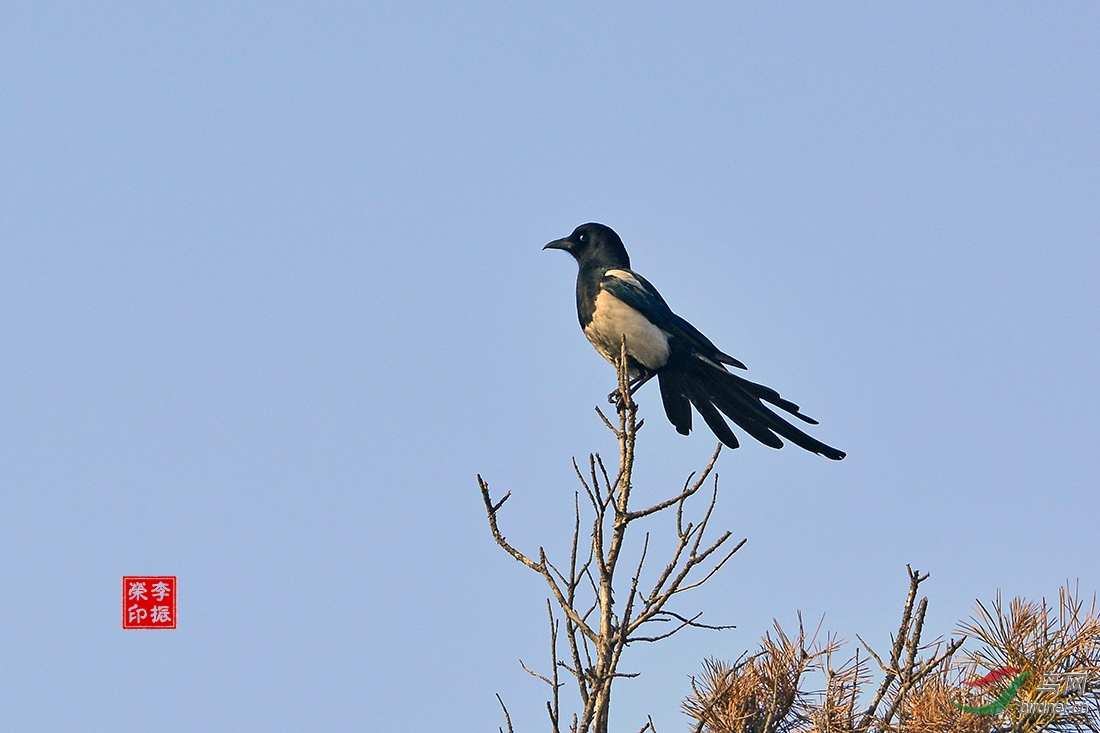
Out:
{"x": 507, "y": 717}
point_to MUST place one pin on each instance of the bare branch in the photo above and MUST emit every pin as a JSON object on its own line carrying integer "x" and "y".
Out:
{"x": 534, "y": 674}
{"x": 507, "y": 717}
{"x": 881, "y": 664}
{"x": 606, "y": 421}
{"x": 688, "y": 491}
{"x": 684, "y": 623}
{"x": 915, "y": 579}
{"x": 598, "y": 635}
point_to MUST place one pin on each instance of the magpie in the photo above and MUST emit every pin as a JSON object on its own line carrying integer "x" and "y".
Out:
{"x": 613, "y": 301}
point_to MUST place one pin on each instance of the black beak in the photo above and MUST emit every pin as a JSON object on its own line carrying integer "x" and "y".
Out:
{"x": 565, "y": 244}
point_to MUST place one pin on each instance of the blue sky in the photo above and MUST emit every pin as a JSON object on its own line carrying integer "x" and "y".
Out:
{"x": 272, "y": 293}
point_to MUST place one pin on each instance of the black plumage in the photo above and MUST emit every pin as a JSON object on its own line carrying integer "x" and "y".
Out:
{"x": 613, "y": 301}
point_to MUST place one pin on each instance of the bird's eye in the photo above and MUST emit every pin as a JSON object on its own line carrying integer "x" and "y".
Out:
{"x": 582, "y": 238}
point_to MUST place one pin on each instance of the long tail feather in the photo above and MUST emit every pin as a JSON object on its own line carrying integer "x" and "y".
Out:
{"x": 677, "y": 407}
{"x": 711, "y": 389}
{"x": 711, "y": 417}
{"x": 747, "y": 419}
{"x": 767, "y": 394}
{"x": 756, "y": 419}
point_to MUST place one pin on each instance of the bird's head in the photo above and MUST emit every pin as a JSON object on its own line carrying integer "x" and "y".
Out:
{"x": 596, "y": 244}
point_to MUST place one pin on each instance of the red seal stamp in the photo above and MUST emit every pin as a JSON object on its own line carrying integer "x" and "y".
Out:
{"x": 149, "y": 601}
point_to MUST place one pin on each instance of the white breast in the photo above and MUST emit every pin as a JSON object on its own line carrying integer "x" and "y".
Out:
{"x": 613, "y": 319}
